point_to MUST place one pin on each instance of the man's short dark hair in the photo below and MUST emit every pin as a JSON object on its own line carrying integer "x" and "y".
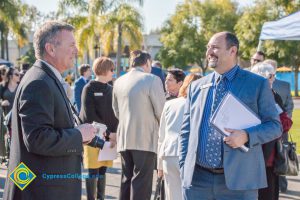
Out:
{"x": 178, "y": 74}
{"x": 83, "y": 68}
{"x": 261, "y": 54}
{"x": 232, "y": 40}
{"x": 139, "y": 58}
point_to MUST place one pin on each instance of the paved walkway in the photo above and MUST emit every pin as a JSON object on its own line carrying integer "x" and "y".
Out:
{"x": 296, "y": 103}
{"x": 114, "y": 177}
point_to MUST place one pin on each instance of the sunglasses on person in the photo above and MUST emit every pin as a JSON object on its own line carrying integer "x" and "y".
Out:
{"x": 256, "y": 60}
{"x": 270, "y": 76}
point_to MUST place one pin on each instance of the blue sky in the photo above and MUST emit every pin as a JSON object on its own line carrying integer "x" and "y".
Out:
{"x": 155, "y": 12}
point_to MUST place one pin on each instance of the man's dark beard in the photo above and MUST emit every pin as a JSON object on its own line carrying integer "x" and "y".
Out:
{"x": 211, "y": 65}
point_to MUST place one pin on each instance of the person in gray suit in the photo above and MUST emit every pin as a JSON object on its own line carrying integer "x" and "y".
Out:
{"x": 213, "y": 167}
{"x": 283, "y": 88}
{"x": 138, "y": 101}
{"x": 44, "y": 136}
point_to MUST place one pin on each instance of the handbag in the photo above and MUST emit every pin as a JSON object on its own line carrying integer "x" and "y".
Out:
{"x": 286, "y": 122}
{"x": 286, "y": 160}
{"x": 159, "y": 191}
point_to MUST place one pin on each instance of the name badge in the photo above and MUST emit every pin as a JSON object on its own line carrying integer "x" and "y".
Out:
{"x": 206, "y": 86}
{"x": 98, "y": 94}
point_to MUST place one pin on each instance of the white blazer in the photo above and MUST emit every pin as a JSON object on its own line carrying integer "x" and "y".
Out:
{"x": 169, "y": 130}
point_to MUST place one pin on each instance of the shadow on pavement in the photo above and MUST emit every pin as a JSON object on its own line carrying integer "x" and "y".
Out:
{"x": 113, "y": 170}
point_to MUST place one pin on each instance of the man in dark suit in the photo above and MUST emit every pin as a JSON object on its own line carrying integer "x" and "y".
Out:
{"x": 156, "y": 69}
{"x": 283, "y": 88}
{"x": 85, "y": 75}
{"x": 44, "y": 137}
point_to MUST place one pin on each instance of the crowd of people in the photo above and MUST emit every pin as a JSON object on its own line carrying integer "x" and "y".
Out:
{"x": 157, "y": 121}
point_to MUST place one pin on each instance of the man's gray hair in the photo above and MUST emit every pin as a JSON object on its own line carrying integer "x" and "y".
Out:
{"x": 271, "y": 62}
{"x": 46, "y": 34}
{"x": 263, "y": 69}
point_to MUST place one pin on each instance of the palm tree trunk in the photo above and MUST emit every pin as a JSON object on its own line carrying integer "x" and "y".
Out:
{"x": 6, "y": 47}
{"x": 87, "y": 56}
{"x": 2, "y": 45}
{"x": 119, "y": 50}
{"x": 296, "y": 80}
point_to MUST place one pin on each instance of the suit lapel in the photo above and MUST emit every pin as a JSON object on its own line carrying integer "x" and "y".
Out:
{"x": 45, "y": 68}
{"x": 238, "y": 82}
{"x": 204, "y": 88}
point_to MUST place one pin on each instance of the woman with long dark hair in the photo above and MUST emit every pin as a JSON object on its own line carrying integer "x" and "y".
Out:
{"x": 11, "y": 81}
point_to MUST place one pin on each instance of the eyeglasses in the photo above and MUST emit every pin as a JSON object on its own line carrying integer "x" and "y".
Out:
{"x": 16, "y": 74}
{"x": 256, "y": 60}
{"x": 270, "y": 76}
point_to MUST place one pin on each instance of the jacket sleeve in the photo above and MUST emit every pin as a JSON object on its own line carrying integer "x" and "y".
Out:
{"x": 270, "y": 128}
{"x": 185, "y": 131}
{"x": 36, "y": 115}
{"x": 161, "y": 138}
{"x": 289, "y": 104}
{"x": 157, "y": 97}
{"x": 77, "y": 94}
{"x": 115, "y": 103}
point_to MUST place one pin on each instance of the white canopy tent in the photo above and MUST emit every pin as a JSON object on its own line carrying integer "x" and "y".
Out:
{"x": 286, "y": 28}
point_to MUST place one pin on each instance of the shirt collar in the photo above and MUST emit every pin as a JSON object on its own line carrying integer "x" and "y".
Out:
{"x": 138, "y": 69}
{"x": 84, "y": 78}
{"x": 228, "y": 75}
{"x": 54, "y": 70}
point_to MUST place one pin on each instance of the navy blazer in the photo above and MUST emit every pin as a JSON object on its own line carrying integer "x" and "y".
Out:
{"x": 79, "y": 84}
{"x": 243, "y": 171}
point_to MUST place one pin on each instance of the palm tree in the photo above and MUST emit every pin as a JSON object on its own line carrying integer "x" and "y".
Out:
{"x": 122, "y": 24}
{"x": 10, "y": 10}
{"x": 88, "y": 27}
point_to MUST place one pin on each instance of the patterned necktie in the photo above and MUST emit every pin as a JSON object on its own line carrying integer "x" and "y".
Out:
{"x": 214, "y": 143}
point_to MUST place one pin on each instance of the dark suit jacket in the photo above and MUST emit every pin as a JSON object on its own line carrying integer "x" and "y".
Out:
{"x": 44, "y": 138}
{"x": 283, "y": 88}
{"x": 160, "y": 73}
{"x": 79, "y": 84}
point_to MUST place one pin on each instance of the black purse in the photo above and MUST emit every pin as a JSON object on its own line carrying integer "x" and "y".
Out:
{"x": 286, "y": 160}
{"x": 159, "y": 191}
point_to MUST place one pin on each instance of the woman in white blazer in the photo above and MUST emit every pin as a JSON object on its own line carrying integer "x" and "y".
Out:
{"x": 168, "y": 145}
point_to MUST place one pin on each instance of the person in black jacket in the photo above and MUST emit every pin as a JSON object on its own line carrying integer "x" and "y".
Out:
{"x": 96, "y": 106}
{"x": 269, "y": 149}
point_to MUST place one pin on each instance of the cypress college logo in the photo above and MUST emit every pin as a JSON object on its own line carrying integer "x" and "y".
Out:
{"x": 22, "y": 176}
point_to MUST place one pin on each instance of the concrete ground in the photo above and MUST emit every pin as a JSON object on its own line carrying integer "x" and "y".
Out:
{"x": 114, "y": 177}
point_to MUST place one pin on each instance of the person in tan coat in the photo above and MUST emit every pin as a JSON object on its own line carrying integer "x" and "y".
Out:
{"x": 138, "y": 100}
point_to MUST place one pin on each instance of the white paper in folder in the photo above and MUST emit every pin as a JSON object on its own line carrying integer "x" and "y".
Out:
{"x": 233, "y": 114}
{"x": 107, "y": 153}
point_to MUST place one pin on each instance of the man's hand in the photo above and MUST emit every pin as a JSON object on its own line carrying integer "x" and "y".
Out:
{"x": 87, "y": 132}
{"x": 160, "y": 173}
{"x": 237, "y": 138}
{"x": 112, "y": 143}
{"x": 5, "y": 103}
{"x": 113, "y": 136}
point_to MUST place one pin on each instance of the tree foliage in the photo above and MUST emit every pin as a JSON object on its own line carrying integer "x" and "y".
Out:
{"x": 187, "y": 32}
{"x": 249, "y": 26}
